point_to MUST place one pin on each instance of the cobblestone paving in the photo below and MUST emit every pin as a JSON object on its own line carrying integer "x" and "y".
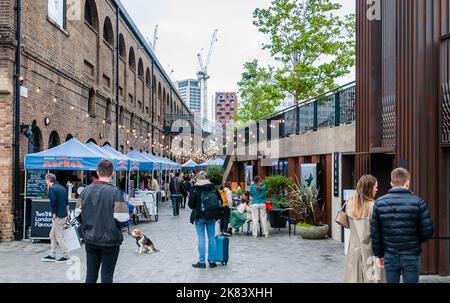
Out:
{"x": 279, "y": 259}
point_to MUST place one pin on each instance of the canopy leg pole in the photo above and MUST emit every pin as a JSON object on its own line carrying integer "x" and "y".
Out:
{"x": 25, "y": 211}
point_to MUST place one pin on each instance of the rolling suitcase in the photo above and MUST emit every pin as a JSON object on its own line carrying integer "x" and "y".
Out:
{"x": 222, "y": 249}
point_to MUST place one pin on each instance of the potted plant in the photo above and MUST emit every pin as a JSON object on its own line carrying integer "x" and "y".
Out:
{"x": 305, "y": 200}
{"x": 276, "y": 190}
{"x": 215, "y": 175}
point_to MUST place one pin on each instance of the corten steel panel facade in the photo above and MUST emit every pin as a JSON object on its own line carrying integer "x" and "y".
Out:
{"x": 413, "y": 56}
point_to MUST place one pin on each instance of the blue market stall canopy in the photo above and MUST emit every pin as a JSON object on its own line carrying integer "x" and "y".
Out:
{"x": 72, "y": 155}
{"x": 145, "y": 163}
{"x": 190, "y": 164}
{"x": 133, "y": 165}
{"x": 119, "y": 164}
{"x": 174, "y": 165}
{"x": 158, "y": 163}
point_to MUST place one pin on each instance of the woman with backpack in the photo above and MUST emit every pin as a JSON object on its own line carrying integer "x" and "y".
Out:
{"x": 206, "y": 205}
{"x": 258, "y": 192}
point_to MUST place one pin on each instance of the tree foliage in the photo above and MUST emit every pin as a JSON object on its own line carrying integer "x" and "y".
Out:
{"x": 312, "y": 47}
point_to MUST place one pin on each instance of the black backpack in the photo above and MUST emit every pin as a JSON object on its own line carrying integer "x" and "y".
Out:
{"x": 211, "y": 205}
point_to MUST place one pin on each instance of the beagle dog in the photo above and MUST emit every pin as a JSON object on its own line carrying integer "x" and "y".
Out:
{"x": 143, "y": 242}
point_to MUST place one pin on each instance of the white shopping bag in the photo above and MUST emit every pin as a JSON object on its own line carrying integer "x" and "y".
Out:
{"x": 71, "y": 238}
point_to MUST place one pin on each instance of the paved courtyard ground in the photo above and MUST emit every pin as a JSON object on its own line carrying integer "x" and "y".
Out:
{"x": 278, "y": 259}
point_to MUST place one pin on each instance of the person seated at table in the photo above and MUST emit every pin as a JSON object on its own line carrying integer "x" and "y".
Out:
{"x": 242, "y": 214}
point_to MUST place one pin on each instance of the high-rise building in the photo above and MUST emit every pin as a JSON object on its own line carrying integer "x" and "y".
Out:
{"x": 226, "y": 105}
{"x": 190, "y": 93}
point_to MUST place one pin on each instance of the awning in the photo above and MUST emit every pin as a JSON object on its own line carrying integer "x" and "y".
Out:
{"x": 72, "y": 155}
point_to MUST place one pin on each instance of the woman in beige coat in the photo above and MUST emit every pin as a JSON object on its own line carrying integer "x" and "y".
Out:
{"x": 361, "y": 263}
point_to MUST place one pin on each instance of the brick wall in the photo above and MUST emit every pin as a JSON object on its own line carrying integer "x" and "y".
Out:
{"x": 66, "y": 64}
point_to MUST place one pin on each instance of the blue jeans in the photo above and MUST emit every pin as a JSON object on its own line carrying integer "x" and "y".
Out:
{"x": 407, "y": 266}
{"x": 210, "y": 225}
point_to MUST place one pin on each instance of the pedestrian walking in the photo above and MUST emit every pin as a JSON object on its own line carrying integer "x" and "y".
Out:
{"x": 176, "y": 193}
{"x": 400, "y": 224}
{"x": 361, "y": 264}
{"x": 103, "y": 211}
{"x": 205, "y": 203}
{"x": 59, "y": 203}
{"x": 258, "y": 192}
{"x": 187, "y": 190}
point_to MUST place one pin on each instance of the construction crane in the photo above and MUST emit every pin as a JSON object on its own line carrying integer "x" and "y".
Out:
{"x": 203, "y": 77}
{"x": 155, "y": 38}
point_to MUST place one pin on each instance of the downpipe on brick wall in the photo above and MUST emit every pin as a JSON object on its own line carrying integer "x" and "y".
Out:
{"x": 16, "y": 160}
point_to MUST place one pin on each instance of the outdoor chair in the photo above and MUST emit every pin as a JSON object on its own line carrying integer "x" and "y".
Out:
{"x": 293, "y": 217}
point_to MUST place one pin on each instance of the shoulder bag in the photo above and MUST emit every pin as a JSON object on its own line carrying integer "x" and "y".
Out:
{"x": 342, "y": 218}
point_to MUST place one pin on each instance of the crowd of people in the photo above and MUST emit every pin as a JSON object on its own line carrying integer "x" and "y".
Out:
{"x": 386, "y": 234}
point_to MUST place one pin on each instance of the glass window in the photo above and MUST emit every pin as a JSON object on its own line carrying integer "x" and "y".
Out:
{"x": 56, "y": 11}
{"x": 183, "y": 84}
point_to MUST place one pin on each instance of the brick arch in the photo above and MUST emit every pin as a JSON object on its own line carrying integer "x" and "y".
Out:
{"x": 141, "y": 68}
{"x": 53, "y": 140}
{"x": 132, "y": 59}
{"x": 122, "y": 47}
{"x": 91, "y": 14}
{"x": 37, "y": 140}
{"x": 108, "y": 32}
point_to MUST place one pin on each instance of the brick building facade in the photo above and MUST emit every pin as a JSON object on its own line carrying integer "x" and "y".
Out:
{"x": 69, "y": 72}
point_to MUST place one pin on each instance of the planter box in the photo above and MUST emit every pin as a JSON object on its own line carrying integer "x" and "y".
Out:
{"x": 275, "y": 220}
{"x": 313, "y": 232}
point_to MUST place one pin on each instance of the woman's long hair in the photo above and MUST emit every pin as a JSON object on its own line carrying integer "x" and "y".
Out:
{"x": 364, "y": 194}
{"x": 258, "y": 182}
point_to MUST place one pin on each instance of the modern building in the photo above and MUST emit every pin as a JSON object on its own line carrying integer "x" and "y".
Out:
{"x": 403, "y": 106}
{"x": 77, "y": 74}
{"x": 190, "y": 93}
{"x": 226, "y": 105}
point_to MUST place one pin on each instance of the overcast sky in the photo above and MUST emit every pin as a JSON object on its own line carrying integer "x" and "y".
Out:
{"x": 186, "y": 27}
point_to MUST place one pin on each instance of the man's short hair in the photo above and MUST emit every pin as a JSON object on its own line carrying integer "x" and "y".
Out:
{"x": 400, "y": 176}
{"x": 177, "y": 174}
{"x": 50, "y": 178}
{"x": 105, "y": 169}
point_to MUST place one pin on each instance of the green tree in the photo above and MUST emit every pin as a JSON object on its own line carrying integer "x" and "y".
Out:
{"x": 259, "y": 93}
{"x": 312, "y": 44}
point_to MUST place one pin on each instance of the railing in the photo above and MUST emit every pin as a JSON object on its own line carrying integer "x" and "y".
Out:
{"x": 332, "y": 109}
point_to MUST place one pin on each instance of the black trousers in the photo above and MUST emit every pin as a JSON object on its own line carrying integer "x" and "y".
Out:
{"x": 176, "y": 201}
{"x": 183, "y": 204}
{"x": 225, "y": 219}
{"x": 97, "y": 256}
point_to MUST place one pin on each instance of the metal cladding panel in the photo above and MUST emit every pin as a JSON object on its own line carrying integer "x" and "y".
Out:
{"x": 415, "y": 68}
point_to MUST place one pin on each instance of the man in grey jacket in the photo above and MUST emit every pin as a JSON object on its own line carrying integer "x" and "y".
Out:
{"x": 103, "y": 210}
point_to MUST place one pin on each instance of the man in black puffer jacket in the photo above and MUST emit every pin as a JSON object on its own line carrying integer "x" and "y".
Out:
{"x": 400, "y": 223}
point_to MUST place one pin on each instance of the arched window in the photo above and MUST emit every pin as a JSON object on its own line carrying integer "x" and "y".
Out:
{"x": 91, "y": 102}
{"x": 108, "y": 110}
{"x": 36, "y": 140}
{"x": 147, "y": 77}
{"x": 122, "y": 47}
{"x": 107, "y": 144}
{"x": 108, "y": 34}
{"x": 57, "y": 12}
{"x": 90, "y": 14}
{"x": 141, "y": 69}
{"x": 121, "y": 149}
{"x": 91, "y": 140}
{"x": 69, "y": 137}
{"x": 132, "y": 59}
{"x": 54, "y": 140}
